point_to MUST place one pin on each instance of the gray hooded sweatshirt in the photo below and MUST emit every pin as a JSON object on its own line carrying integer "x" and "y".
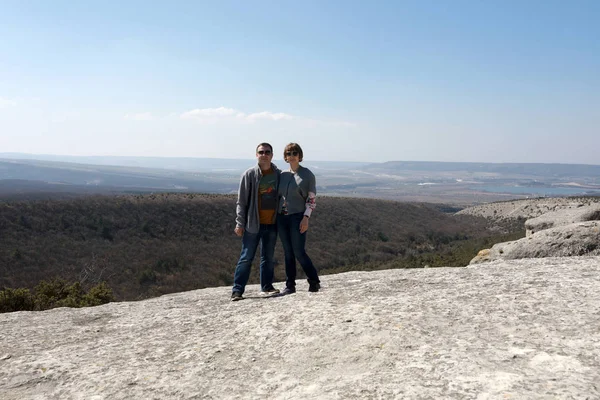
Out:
{"x": 247, "y": 201}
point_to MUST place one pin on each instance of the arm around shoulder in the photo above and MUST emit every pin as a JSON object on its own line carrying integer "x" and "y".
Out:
{"x": 311, "y": 199}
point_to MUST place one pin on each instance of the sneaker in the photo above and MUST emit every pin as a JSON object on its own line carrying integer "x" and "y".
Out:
{"x": 235, "y": 296}
{"x": 314, "y": 286}
{"x": 288, "y": 290}
{"x": 270, "y": 291}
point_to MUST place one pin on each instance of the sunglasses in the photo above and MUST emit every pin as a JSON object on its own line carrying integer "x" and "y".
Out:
{"x": 291, "y": 153}
{"x": 264, "y": 152}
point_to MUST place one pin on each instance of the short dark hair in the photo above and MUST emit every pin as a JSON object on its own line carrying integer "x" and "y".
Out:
{"x": 265, "y": 145}
{"x": 293, "y": 147}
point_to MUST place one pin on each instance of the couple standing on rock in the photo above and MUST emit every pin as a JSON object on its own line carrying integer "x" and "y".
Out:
{"x": 271, "y": 201}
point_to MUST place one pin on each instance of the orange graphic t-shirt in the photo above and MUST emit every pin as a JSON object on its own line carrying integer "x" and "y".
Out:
{"x": 267, "y": 197}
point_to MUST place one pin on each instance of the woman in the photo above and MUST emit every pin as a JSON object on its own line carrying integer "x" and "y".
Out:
{"x": 297, "y": 192}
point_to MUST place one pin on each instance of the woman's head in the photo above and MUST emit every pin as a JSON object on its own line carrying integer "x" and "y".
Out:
{"x": 292, "y": 150}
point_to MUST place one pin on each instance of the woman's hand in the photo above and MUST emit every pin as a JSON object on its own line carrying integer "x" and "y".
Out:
{"x": 304, "y": 224}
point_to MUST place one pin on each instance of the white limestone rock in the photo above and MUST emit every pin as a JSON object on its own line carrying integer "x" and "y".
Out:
{"x": 562, "y": 217}
{"x": 577, "y": 239}
{"x": 520, "y": 329}
{"x": 572, "y": 230}
{"x": 527, "y": 208}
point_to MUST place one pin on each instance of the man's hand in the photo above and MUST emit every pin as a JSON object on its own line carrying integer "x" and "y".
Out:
{"x": 304, "y": 224}
{"x": 239, "y": 230}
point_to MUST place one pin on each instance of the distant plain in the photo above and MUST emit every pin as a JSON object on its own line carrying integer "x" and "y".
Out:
{"x": 462, "y": 184}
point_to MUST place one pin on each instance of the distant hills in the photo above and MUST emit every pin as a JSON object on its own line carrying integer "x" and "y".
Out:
{"x": 172, "y": 163}
{"x": 528, "y": 169}
{"x": 26, "y": 176}
{"x": 103, "y": 178}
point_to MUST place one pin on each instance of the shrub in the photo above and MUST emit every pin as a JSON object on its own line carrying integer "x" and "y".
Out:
{"x": 57, "y": 293}
{"x": 52, "y": 294}
{"x": 97, "y": 295}
{"x": 16, "y": 300}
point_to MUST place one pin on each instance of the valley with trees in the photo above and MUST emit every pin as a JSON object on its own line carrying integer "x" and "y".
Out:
{"x": 143, "y": 246}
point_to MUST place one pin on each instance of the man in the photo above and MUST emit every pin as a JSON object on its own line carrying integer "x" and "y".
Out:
{"x": 255, "y": 222}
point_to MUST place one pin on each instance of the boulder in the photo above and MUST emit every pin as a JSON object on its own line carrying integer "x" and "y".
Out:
{"x": 562, "y": 217}
{"x": 482, "y": 256}
{"x": 528, "y": 208}
{"x": 577, "y": 239}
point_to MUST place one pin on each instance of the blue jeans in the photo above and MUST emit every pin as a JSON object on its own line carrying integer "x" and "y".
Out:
{"x": 293, "y": 246}
{"x": 266, "y": 237}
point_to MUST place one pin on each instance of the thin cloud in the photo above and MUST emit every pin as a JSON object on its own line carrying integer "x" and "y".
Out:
{"x": 230, "y": 114}
{"x": 220, "y": 112}
{"x": 224, "y": 114}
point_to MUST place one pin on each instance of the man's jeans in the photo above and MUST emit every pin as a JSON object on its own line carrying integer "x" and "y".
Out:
{"x": 266, "y": 237}
{"x": 293, "y": 246}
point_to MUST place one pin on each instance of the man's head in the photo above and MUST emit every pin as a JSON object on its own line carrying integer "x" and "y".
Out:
{"x": 264, "y": 145}
{"x": 264, "y": 155}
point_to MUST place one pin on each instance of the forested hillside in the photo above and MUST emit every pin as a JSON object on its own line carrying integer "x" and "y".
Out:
{"x": 144, "y": 246}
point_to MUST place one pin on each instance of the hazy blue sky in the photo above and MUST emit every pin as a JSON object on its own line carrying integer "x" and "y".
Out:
{"x": 497, "y": 81}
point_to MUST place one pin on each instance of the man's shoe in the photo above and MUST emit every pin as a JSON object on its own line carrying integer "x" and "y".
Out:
{"x": 314, "y": 286}
{"x": 270, "y": 291}
{"x": 288, "y": 290}
{"x": 235, "y": 296}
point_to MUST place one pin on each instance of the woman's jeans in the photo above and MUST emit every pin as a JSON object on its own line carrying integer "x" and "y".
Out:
{"x": 293, "y": 246}
{"x": 266, "y": 237}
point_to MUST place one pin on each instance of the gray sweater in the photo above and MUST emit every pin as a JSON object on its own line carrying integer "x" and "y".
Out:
{"x": 294, "y": 189}
{"x": 247, "y": 201}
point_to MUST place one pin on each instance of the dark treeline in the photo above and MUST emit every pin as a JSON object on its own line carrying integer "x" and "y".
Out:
{"x": 148, "y": 245}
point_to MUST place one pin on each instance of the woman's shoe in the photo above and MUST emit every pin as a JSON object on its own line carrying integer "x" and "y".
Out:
{"x": 288, "y": 290}
{"x": 314, "y": 286}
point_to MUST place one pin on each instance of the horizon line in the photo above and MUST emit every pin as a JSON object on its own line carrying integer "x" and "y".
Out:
{"x": 278, "y": 159}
